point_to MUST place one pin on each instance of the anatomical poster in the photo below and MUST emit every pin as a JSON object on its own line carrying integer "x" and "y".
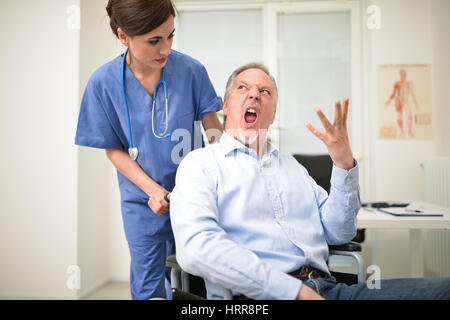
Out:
{"x": 404, "y": 101}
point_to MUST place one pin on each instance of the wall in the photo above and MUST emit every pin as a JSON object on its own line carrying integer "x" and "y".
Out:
{"x": 396, "y": 162}
{"x": 38, "y": 167}
{"x": 412, "y": 31}
{"x": 103, "y": 252}
{"x": 440, "y": 23}
{"x": 59, "y": 203}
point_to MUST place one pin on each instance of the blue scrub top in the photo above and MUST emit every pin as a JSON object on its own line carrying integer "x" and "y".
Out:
{"x": 102, "y": 124}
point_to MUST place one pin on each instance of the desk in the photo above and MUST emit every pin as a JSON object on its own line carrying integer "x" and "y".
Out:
{"x": 373, "y": 219}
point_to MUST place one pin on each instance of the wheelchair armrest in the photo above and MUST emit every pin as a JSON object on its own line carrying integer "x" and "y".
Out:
{"x": 171, "y": 262}
{"x": 351, "y": 246}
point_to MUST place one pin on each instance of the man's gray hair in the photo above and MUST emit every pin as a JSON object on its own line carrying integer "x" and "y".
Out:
{"x": 251, "y": 65}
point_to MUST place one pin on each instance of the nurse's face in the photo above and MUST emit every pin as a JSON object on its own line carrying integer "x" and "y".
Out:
{"x": 150, "y": 50}
{"x": 251, "y": 105}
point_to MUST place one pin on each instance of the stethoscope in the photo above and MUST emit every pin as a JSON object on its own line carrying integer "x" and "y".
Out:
{"x": 132, "y": 150}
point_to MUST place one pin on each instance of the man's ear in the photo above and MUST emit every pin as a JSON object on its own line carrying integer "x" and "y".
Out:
{"x": 274, "y": 115}
{"x": 225, "y": 107}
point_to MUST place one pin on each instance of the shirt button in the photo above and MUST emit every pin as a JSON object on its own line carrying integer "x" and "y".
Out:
{"x": 350, "y": 206}
{"x": 348, "y": 180}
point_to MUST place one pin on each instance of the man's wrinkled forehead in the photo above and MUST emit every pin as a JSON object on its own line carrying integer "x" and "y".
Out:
{"x": 254, "y": 76}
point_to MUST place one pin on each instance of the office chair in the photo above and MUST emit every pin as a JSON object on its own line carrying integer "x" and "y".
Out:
{"x": 181, "y": 280}
{"x": 320, "y": 168}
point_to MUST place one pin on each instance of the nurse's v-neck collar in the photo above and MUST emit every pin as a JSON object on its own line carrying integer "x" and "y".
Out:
{"x": 129, "y": 75}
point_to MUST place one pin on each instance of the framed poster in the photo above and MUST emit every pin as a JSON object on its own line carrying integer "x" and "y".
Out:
{"x": 404, "y": 101}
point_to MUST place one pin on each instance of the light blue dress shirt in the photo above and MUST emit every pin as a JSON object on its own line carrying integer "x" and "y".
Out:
{"x": 245, "y": 222}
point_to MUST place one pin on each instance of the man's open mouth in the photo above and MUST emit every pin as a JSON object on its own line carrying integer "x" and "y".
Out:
{"x": 251, "y": 115}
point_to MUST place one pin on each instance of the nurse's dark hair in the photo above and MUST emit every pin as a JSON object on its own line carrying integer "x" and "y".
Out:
{"x": 137, "y": 17}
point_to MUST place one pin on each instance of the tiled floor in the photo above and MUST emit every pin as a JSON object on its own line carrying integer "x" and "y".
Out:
{"x": 112, "y": 291}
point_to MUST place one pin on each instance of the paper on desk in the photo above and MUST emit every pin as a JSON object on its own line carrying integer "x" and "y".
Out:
{"x": 405, "y": 212}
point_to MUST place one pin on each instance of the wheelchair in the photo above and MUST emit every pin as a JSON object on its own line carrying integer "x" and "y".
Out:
{"x": 181, "y": 280}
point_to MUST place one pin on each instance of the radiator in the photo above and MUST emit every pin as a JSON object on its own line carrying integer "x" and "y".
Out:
{"x": 437, "y": 191}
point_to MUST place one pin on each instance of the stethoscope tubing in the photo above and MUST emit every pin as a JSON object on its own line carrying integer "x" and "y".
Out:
{"x": 163, "y": 83}
{"x": 125, "y": 98}
{"x": 132, "y": 150}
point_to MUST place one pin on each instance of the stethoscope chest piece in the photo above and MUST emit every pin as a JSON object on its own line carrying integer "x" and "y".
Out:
{"x": 133, "y": 152}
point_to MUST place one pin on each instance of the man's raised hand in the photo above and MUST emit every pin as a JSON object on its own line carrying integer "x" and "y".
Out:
{"x": 335, "y": 136}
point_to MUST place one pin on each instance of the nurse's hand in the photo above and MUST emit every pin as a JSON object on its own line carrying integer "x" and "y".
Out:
{"x": 157, "y": 202}
{"x": 130, "y": 169}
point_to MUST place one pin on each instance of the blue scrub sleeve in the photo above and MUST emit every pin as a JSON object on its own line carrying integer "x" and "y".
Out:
{"x": 208, "y": 99}
{"x": 94, "y": 127}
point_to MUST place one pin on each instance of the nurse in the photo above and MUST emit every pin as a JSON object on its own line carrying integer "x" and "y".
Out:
{"x": 121, "y": 109}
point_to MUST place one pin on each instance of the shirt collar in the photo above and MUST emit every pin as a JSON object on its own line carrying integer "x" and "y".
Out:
{"x": 229, "y": 144}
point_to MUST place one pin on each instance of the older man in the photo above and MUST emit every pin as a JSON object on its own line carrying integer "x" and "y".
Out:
{"x": 248, "y": 218}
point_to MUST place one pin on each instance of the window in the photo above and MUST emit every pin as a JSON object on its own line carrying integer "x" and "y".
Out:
{"x": 314, "y": 71}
